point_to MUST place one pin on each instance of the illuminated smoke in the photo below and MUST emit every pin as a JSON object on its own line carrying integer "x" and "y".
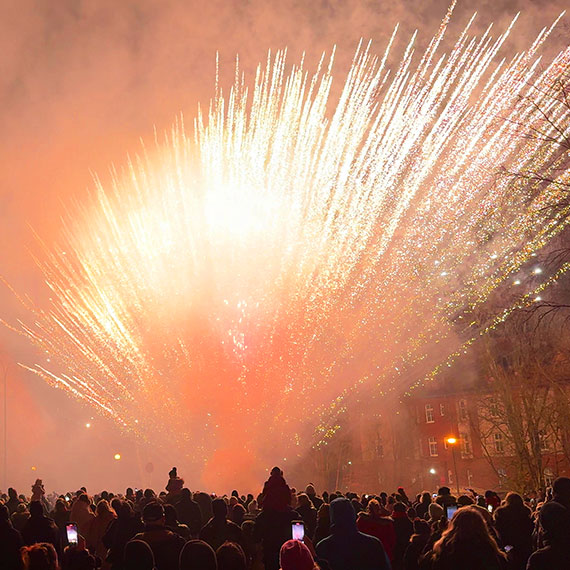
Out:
{"x": 238, "y": 280}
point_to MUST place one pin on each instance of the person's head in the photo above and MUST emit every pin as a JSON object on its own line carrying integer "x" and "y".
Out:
{"x": 252, "y": 507}
{"x": 237, "y": 513}
{"x": 421, "y": 527}
{"x": 198, "y": 555}
{"x": 138, "y": 556}
{"x": 435, "y": 511}
{"x": 83, "y": 498}
{"x": 125, "y": 510}
{"x": 426, "y": 498}
{"x": 116, "y": 505}
{"x": 554, "y": 519}
{"x": 149, "y": 494}
{"x": 411, "y": 512}
{"x": 342, "y": 515}
{"x": 12, "y": 493}
{"x": 465, "y": 501}
{"x": 310, "y": 490}
{"x": 170, "y": 515}
{"x": 323, "y": 514}
{"x": 400, "y": 508}
{"x": 248, "y": 528}
{"x": 4, "y": 513}
{"x": 444, "y": 491}
{"x": 303, "y": 500}
{"x": 230, "y": 556}
{"x": 22, "y": 508}
{"x": 490, "y": 494}
{"x": 186, "y": 494}
{"x": 153, "y": 514}
{"x": 561, "y": 491}
{"x": 219, "y": 509}
{"x": 39, "y": 556}
{"x": 103, "y": 509}
{"x": 466, "y": 527}
{"x": 514, "y": 500}
{"x": 36, "y": 509}
{"x": 276, "y": 472}
{"x": 374, "y": 507}
{"x": 295, "y": 555}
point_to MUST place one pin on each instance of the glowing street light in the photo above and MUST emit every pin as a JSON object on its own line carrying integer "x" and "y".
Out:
{"x": 432, "y": 471}
{"x": 452, "y": 441}
{"x": 117, "y": 456}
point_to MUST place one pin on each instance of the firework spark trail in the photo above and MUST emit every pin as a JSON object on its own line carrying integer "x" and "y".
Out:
{"x": 242, "y": 281}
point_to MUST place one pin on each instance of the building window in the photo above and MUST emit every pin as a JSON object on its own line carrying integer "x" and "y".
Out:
{"x": 543, "y": 441}
{"x": 432, "y": 442}
{"x": 379, "y": 446}
{"x": 465, "y": 444}
{"x": 494, "y": 409}
{"x": 462, "y": 410}
{"x": 499, "y": 444}
{"x": 442, "y": 409}
{"x": 429, "y": 414}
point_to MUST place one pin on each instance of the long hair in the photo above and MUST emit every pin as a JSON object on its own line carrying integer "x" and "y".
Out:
{"x": 466, "y": 528}
{"x": 40, "y": 556}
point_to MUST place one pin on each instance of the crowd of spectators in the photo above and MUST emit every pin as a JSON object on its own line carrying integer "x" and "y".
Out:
{"x": 181, "y": 530}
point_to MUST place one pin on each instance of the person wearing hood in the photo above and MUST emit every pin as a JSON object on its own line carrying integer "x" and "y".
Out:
{"x": 312, "y": 494}
{"x": 347, "y": 548}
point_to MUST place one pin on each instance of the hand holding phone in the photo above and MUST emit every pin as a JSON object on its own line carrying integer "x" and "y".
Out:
{"x": 298, "y": 530}
{"x": 71, "y": 531}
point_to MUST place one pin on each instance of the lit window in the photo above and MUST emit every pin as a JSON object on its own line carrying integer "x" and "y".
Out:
{"x": 432, "y": 442}
{"x": 462, "y": 410}
{"x": 442, "y": 409}
{"x": 499, "y": 444}
{"x": 379, "y": 447}
{"x": 429, "y": 414}
{"x": 465, "y": 444}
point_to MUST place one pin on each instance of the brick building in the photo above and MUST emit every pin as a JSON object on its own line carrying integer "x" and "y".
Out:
{"x": 408, "y": 444}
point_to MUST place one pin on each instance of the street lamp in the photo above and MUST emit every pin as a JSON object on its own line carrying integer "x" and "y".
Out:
{"x": 452, "y": 441}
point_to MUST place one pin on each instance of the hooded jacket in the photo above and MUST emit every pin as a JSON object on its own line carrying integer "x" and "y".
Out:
{"x": 347, "y": 548}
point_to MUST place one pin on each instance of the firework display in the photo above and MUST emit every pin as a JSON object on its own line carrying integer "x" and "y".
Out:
{"x": 240, "y": 279}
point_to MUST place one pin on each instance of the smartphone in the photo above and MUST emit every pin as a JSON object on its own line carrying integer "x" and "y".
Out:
{"x": 490, "y": 508}
{"x": 508, "y": 548}
{"x": 298, "y": 530}
{"x": 450, "y": 511}
{"x": 71, "y": 530}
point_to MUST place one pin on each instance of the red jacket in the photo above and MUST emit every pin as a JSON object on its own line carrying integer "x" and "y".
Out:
{"x": 380, "y": 527}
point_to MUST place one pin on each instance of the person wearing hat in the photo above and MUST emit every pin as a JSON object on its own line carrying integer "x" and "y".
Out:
{"x": 165, "y": 544}
{"x": 347, "y": 548}
{"x": 294, "y": 555}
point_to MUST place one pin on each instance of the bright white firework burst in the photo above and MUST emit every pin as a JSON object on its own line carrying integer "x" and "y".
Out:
{"x": 238, "y": 283}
